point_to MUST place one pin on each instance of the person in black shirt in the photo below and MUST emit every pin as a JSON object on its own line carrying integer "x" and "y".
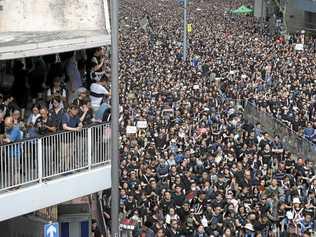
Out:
{"x": 296, "y": 124}
{"x": 2, "y": 127}
{"x": 173, "y": 230}
{"x": 178, "y": 196}
{"x": 86, "y": 113}
{"x": 44, "y": 123}
{"x": 167, "y": 203}
{"x": 57, "y": 112}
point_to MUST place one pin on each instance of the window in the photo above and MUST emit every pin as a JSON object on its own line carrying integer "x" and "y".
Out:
{"x": 310, "y": 20}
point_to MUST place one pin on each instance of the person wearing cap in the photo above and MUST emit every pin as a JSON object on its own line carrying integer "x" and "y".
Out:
{"x": 249, "y": 230}
{"x": 297, "y": 211}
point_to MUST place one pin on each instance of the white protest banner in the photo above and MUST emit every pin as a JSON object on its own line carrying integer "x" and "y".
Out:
{"x": 142, "y": 124}
{"x": 299, "y": 47}
{"x": 131, "y": 129}
{"x": 196, "y": 87}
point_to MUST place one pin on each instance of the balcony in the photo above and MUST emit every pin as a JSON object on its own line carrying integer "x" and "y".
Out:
{"x": 41, "y": 172}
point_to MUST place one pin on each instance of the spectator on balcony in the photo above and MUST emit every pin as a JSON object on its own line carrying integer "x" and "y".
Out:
{"x": 83, "y": 94}
{"x": 3, "y": 106}
{"x": 2, "y": 126}
{"x": 56, "y": 89}
{"x": 10, "y": 105}
{"x": 97, "y": 64}
{"x": 86, "y": 113}
{"x": 13, "y": 153}
{"x": 71, "y": 120}
{"x": 99, "y": 93}
{"x": 12, "y": 133}
{"x": 18, "y": 121}
{"x": 30, "y": 124}
{"x": 71, "y": 123}
{"x": 44, "y": 123}
{"x": 57, "y": 112}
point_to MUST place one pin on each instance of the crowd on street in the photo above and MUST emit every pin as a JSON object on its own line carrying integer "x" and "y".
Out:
{"x": 191, "y": 164}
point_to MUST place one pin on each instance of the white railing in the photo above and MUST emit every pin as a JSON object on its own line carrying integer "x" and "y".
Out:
{"x": 46, "y": 158}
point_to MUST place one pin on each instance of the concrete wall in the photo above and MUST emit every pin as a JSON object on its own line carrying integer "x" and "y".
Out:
{"x": 21, "y": 227}
{"x": 294, "y": 17}
{"x": 260, "y": 6}
{"x": 51, "y": 15}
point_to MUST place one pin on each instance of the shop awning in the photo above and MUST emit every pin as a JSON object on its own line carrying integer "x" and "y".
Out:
{"x": 242, "y": 10}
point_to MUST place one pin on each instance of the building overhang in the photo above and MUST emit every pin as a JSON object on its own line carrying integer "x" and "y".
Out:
{"x": 28, "y": 44}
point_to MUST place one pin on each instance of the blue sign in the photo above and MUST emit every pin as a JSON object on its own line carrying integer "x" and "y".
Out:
{"x": 51, "y": 230}
{"x": 181, "y": 2}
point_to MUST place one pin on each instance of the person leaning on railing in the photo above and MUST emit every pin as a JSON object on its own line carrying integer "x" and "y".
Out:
{"x": 12, "y": 134}
{"x": 45, "y": 123}
{"x": 71, "y": 120}
{"x": 86, "y": 112}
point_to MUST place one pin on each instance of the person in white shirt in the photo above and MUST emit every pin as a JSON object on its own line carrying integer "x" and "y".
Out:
{"x": 98, "y": 93}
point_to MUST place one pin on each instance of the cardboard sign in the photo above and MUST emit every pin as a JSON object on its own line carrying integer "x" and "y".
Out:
{"x": 196, "y": 87}
{"x": 189, "y": 28}
{"x": 142, "y": 124}
{"x": 131, "y": 129}
{"x": 299, "y": 47}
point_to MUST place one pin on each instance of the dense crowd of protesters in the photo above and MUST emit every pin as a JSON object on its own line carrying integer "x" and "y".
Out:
{"x": 194, "y": 166}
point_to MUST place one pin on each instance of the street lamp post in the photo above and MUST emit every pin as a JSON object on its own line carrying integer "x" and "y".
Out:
{"x": 185, "y": 31}
{"x": 115, "y": 120}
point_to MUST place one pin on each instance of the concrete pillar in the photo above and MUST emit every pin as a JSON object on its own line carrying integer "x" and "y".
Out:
{"x": 260, "y": 9}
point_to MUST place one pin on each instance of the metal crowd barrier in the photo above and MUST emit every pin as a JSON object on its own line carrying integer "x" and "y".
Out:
{"x": 35, "y": 160}
{"x": 292, "y": 141}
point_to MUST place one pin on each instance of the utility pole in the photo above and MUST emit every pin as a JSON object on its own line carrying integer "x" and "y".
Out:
{"x": 115, "y": 225}
{"x": 185, "y": 31}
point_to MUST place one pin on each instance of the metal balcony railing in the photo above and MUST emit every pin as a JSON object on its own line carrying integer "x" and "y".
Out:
{"x": 45, "y": 158}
